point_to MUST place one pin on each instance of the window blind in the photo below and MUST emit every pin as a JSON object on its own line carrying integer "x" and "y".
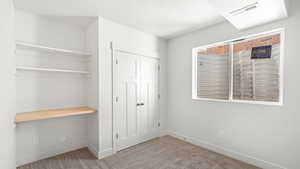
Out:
{"x": 212, "y": 73}
{"x": 245, "y": 70}
{"x": 256, "y": 79}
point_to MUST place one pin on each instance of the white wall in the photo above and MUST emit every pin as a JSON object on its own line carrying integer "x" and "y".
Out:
{"x": 267, "y": 136}
{"x": 43, "y": 90}
{"x": 7, "y": 90}
{"x": 50, "y": 31}
{"x": 128, "y": 39}
{"x": 93, "y": 87}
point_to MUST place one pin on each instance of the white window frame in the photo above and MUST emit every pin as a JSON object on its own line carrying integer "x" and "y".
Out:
{"x": 280, "y": 31}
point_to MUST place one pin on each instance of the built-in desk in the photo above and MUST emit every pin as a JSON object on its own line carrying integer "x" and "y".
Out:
{"x": 54, "y": 113}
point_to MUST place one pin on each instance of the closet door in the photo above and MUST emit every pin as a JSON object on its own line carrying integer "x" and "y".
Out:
{"x": 136, "y": 112}
{"x": 148, "y": 98}
{"x": 125, "y": 104}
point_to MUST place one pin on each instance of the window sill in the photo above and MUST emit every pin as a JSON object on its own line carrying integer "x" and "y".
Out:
{"x": 240, "y": 101}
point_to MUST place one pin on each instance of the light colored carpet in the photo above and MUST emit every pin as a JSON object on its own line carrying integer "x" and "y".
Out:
{"x": 162, "y": 153}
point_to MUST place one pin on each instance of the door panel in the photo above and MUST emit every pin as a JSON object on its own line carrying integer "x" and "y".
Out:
{"x": 149, "y": 116}
{"x": 125, "y": 93}
{"x": 135, "y": 82}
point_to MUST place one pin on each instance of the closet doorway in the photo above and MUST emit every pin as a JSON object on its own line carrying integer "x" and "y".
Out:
{"x": 136, "y": 99}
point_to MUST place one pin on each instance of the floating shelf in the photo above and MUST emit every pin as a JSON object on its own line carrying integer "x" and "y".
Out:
{"x": 55, "y": 113}
{"x": 50, "y": 70}
{"x": 51, "y": 49}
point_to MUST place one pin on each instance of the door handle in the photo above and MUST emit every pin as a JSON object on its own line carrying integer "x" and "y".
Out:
{"x": 140, "y": 104}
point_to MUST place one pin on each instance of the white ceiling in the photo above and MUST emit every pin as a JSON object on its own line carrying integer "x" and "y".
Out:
{"x": 164, "y": 18}
{"x": 79, "y": 21}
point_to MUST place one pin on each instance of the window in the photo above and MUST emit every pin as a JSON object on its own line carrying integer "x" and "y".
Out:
{"x": 247, "y": 69}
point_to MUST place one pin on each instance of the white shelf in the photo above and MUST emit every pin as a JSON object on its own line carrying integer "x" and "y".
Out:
{"x": 50, "y": 70}
{"x": 51, "y": 49}
{"x": 53, "y": 113}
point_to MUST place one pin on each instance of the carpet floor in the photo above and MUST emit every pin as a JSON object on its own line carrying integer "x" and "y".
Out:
{"x": 161, "y": 153}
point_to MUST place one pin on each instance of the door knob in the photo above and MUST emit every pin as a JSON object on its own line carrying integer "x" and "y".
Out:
{"x": 140, "y": 104}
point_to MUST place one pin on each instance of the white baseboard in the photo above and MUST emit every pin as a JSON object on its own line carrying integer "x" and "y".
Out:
{"x": 105, "y": 153}
{"x": 233, "y": 154}
{"x": 163, "y": 133}
{"x": 93, "y": 150}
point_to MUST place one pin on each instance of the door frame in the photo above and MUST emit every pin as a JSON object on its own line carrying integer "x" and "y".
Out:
{"x": 113, "y": 50}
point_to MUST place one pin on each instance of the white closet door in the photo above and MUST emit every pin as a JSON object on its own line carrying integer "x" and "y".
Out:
{"x": 136, "y": 103}
{"x": 125, "y": 105}
{"x": 149, "y": 110}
